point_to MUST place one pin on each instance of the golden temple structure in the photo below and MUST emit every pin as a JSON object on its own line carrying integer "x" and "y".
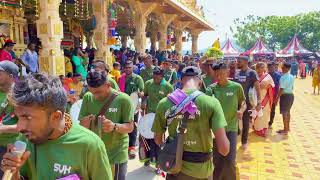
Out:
{"x": 159, "y": 20}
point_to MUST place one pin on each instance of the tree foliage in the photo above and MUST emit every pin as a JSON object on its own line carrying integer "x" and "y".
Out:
{"x": 277, "y": 31}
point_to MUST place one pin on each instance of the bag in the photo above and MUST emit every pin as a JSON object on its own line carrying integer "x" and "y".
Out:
{"x": 96, "y": 124}
{"x": 253, "y": 98}
{"x": 171, "y": 152}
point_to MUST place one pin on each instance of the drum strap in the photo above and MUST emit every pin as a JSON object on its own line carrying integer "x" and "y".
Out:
{"x": 94, "y": 124}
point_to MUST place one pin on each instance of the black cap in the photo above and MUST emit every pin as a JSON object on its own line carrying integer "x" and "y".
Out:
{"x": 191, "y": 71}
{"x": 9, "y": 67}
{"x": 246, "y": 58}
{"x": 158, "y": 71}
{"x": 9, "y": 43}
{"x": 96, "y": 78}
{"x": 220, "y": 66}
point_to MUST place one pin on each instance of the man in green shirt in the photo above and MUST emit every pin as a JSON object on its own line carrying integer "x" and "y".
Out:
{"x": 155, "y": 90}
{"x": 232, "y": 99}
{"x": 147, "y": 72}
{"x": 134, "y": 84}
{"x": 117, "y": 120}
{"x": 198, "y": 138}
{"x": 170, "y": 75}
{"x": 56, "y": 148}
{"x": 100, "y": 65}
{"x": 8, "y": 133}
{"x": 208, "y": 73}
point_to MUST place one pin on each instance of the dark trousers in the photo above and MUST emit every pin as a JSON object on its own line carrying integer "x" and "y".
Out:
{"x": 245, "y": 126}
{"x": 148, "y": 149}
{"x": 182, "y": 176}
{"x": 120, "y": 171}
{"x": 3, "y": 150}
{"x": 225, "y": 166}
{"x": 134, "y": 133}
{"x": 272, "y": 114}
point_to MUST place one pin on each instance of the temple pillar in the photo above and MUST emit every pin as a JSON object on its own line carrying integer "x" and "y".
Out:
{"x": 195, "y": 34}
{"x": 100, "y": 11}
{"x": 153, "y": 39}
{"x": 50, "y": 32}
{"x": 180, "y": 26}
{"x": 141, "y": 12}
{"x": 124, "y": 41}
{"x": 165, "y": 20}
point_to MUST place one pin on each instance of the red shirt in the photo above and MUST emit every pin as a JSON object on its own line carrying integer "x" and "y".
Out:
{"x": 4, "y": 55}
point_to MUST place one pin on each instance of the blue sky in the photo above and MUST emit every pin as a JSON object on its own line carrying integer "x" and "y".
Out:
{"x": 221, "y": 14}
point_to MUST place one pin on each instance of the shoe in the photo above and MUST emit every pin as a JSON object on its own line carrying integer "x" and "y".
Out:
{"x": 244, "y": 147}
{"x": 147, "y": 163}
{"x": 270, "y": 127}
{"x": 132, "y": 154}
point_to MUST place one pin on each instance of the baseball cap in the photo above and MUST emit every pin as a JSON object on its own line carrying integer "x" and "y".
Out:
{"x": 220, "y": 66}
{"x": 9, "y": 67}
{"x": 191, "y": 71}
{"x": 8, "y": 42}
{"x": 157, "y": 71}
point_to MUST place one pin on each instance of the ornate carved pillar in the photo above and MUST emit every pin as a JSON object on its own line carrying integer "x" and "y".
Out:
{"x": 178, "y": 34}
{"x": 50, "y": 32}
{"x": 100, "y": 11}
{"x": 165, "y": 20}
{"x": 195, "y": 34}
{"x": 153, "y": 39}
{"x": 141, "y": 11}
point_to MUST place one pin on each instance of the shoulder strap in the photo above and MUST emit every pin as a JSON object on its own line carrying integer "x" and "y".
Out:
{"x": 107, "y": 104}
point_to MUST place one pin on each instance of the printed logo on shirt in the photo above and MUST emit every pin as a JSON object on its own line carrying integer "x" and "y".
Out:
{"x": 61, "y": 169}
{"x": 114, "y": 110}
{"x": 190, "y": 143}
{"x": 161, "y": 92}
{"x": 242, "y": 78}
{"x": 132, "y": 83}
{"x": 229, "y": 94}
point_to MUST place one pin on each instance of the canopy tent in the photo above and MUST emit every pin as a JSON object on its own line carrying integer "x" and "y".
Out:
{"x": 229, "y": 51}
{"x": 259, "y": 49}
{"x": 294, "y": 48}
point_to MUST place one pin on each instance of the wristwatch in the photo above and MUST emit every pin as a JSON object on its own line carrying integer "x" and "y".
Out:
{"x": 116, "y": 127}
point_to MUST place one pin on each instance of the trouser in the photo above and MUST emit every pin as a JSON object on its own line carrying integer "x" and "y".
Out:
{"x": 181, "y": 176}
{"x": 120, "y": 171}
{"x": 225, "y": 166}
{"x": 148, "y": 149}
{"x": 134, "y": 133}
{"x": 245, "y": 126}
{"x": 272, "y": 114}
{"x": 3, "y": 150}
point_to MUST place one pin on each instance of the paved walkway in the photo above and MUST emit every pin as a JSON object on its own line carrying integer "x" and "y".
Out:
{"x": 275, "y": 157}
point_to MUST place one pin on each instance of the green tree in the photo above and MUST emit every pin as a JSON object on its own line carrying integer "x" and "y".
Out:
{"x": 277, "y": 31}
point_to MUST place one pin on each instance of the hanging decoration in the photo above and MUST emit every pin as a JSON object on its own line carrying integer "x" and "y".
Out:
{"x": 37, "y": 8}
{"x": 82, "y": 9}
{"x": 87, "y": 10}
{"x": 65, "y": 8}
{"x": 112, "y": 24}
{"x": 76, "y": 10}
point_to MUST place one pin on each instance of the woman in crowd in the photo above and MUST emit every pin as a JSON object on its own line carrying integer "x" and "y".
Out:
{"x": 80, "y": 62}
{"x": 266, "y": 87}
{"x": 316, "y": 79}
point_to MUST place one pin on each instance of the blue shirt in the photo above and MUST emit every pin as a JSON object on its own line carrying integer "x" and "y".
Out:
{"x": 276, "y": 79}
{"x": 286, "y": 83}
{"x": 31, "y": 59}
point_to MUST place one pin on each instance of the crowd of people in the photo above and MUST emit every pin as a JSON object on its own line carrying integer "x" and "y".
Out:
{"x": 209, "y": 101}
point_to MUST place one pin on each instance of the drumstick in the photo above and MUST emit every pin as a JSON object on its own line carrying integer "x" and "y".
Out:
{"x": 145, "y": 143}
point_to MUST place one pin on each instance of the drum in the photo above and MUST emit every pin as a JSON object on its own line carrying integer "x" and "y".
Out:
{"x": 75, "y": 111}
{"x": 135, "y": 99}
{"x": 145, "y": 125}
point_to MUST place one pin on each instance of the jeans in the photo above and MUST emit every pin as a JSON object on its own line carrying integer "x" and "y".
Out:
{"x": 245, "y": 123}
{"x": 134, "y": 133}
{"x": 272, "y": 114}
{"x": 225, "y": 166}
{"x": 120, "y": 171}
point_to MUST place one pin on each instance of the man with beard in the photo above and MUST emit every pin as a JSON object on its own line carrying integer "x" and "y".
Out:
{"x": 100, "y": 65}
{"x": 273, "y": 71}
{"x": 116, "y": 120}
{"x": 155, "y": 90}
{"x": 57, "y": 148}
{"x": 248, "y": 78}
{"x": 8, "y": 133}
{"x": 207, "y": 77}
{"x": 170, "y": 75}
{"x": 207, "y": 118}
{"x": 147, "y": 71}
{"x": 133, "y": 84}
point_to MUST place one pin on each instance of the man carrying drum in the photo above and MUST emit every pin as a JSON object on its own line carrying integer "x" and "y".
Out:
{"x": 155, "y": 90}
{"x": 109, "y": 114}
{"x": 134, "y": 87}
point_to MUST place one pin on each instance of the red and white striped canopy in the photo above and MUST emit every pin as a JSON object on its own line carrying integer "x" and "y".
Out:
{"x": 259, "y": 49}
{"x": 294, "y": 48}
{"x": 228, "y": 50}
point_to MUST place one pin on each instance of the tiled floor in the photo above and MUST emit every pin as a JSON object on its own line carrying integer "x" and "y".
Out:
{"x": 296, "y": 156}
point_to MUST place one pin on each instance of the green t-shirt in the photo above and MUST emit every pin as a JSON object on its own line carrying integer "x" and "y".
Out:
{"x": 155, "y": 93}
{"x": 120, "y": 111}
{"x": 79, "y": 151}
{"x": 230, "y": 97}
{"x": 146, "y": 73}
{"x": 207, "y": 81}
{"x": 134, "y": 83}
{"x": 8, "y": 118}
{"x": 113, "y": 83}
{"x": 198, "y": 137}
{"x": 170, "y": 73}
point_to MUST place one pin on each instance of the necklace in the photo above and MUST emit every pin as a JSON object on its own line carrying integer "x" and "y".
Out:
{"x": 68, "y": 123}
